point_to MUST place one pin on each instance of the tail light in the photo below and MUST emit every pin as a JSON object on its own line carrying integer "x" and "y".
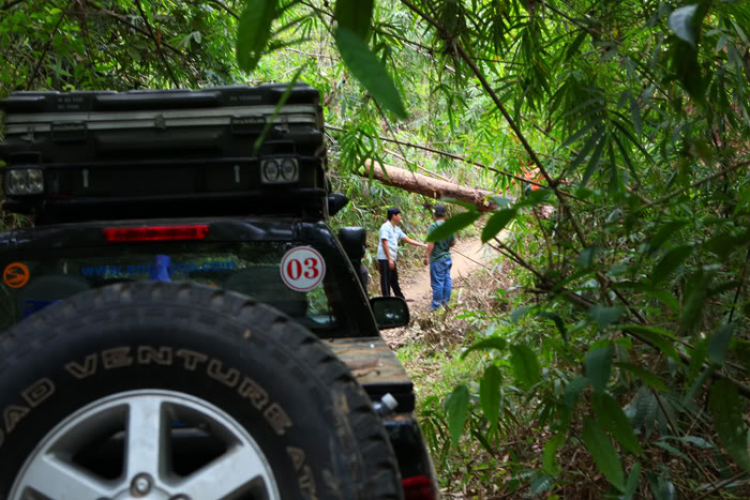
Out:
{"x": 419, "y": 488}
{"x": 154, "y": 233}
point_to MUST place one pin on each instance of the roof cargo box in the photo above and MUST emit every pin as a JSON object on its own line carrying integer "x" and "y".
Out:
{"x": 155, "y": 151}
{"x": 57, "y": 127}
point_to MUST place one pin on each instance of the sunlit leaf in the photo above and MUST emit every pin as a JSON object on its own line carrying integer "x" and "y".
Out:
{"x": 681, "y": 22}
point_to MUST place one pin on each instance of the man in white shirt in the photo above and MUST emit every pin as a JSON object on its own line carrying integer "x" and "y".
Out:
{"x": 388, "y": 238}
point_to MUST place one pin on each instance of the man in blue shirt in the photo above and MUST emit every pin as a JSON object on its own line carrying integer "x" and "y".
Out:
{"x": 389, "y": 236}
{"x": 439, "y": 258}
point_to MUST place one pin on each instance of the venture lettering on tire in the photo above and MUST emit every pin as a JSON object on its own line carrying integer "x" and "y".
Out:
{"x": 235, "y": 378}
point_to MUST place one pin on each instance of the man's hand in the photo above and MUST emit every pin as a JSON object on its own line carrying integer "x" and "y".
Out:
{"x": 426, "y": 261}
{"x": 391, "y": 264}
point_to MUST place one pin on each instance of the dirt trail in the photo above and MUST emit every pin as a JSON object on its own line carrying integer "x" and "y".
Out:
{"x": 467, "y": 256}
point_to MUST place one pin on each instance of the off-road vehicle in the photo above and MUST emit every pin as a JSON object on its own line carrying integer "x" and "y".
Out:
{"x": 181, "y": 323}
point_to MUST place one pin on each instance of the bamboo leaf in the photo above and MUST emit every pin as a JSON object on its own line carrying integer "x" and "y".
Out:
{"x": 598, "y": 363}
{"x": 681, "y": 22}
{"x": 526, "y": 367}
{"x": 453, "y": 225}
{"x": 355, "y": 15}
{"x": 489, "y": 394}
{"x": 727, "y": 412}
{"x": 497, "y": 223}
{"x": 604, "y": 454}
{"x": 498, "y": 343}
{"x": 549, "y": 460}
{"x": 370, "y": 72}
{"x": 645, "y": 376}
{"x": 254, "y": 31}
{"x": 613, "y": 419}
{"x": 458, "y": 411}
{"x": 718, "y": 345}
{"x": 594, "y": 161}
{"x": 632, "y": 485}
{"x": 670, "y": 262}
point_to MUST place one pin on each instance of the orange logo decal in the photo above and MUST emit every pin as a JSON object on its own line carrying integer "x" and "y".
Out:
{"x": 16, "y": 275}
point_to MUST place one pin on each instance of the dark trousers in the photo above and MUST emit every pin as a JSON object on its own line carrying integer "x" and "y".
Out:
{"x": 389, "y": 280}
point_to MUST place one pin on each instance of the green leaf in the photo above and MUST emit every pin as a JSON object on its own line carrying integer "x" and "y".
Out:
{"x": 657, "y": 339}
{"x": 594, "y": 161}
{"x": 370, "y": 72}
{"x": 498, "y": 343}
{"x": 645, "y": 376}
{"x": 605, "y": 316}
{"x": 489, "y": 394}
{"x": 458, "y": 411}
{"x": 635, "y": 113}
{"x": 670, "y": 262}
{"x": 662, "y": 236}
{"x": 254, "y": 31}
{"x": 681, "y": 22}
{"x": 728, "y": 411}
{"x": 549, "y": 461}
{"x": 604, "y": 454}
{"x": 468, "y": 206}
{"x": 525, "y": 366}
{"x": 573, "y": 390}
{"x": 718, "y": 344}
{"x": 598, "y": 364}
{"x": 587, "y": 148}
{"x": 355, "y": 15}
{"x": 632, "y": 485}
{"x": 613, "y": 419}
{"x": 587, "y": 255}
{"x": 497, "y": 223}
{"x": 453, "y": 225}
{"x": 559, "y": 323}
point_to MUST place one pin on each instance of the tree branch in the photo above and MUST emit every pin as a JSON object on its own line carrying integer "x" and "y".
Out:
{"x": 491, "y": 92}
{"x": 157, "y": 43}
{"x": 40, "y": 61}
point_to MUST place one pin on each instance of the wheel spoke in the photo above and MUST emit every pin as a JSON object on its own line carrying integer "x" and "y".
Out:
{"x": 147, "y": 437}
{"x": 226, "y": 475}
{"x": 53, "y": 478}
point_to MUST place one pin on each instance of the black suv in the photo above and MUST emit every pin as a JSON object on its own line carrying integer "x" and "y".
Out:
{"x": 182, "y": 323}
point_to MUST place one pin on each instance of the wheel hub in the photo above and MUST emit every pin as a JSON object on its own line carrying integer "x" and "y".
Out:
{"x": 147, "y": 421}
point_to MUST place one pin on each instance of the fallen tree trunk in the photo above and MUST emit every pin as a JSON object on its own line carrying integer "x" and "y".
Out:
{"x": 427, "y": 186}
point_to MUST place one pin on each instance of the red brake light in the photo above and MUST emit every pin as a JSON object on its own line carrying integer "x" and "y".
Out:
{"x": 418, "y": 488}
{"x": 154, "y": 233}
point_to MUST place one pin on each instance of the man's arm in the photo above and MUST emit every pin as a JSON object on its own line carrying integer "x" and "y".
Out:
{"x": 414, "y": 242}
{"x": 430, "y": 247}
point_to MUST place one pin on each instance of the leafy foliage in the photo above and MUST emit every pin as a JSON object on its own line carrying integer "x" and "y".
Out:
{"x": 630, "y": 249}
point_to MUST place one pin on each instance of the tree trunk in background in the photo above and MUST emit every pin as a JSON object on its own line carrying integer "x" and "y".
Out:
{"x": 427, "y": 186}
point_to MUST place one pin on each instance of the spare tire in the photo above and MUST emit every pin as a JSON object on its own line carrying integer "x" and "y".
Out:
{"x": 178, "y": 391}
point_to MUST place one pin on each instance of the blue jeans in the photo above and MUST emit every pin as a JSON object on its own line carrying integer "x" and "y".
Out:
{"x": 440, "y": 279}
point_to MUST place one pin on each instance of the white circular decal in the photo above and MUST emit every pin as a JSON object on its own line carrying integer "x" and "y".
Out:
{"x": 303, "y": 268}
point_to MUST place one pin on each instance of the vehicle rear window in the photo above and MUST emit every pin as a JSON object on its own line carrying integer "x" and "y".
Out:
{"x": 252, "y": 269}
